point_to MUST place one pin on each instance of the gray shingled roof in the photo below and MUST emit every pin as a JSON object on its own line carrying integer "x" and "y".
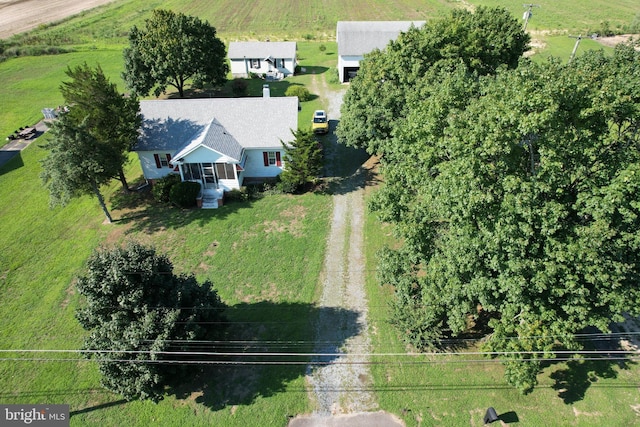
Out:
{"x": 355, "y": 38}
{"x": 252, "y": 122}
{"x": 216, "y": 137}
{"x": 262, "y": 50}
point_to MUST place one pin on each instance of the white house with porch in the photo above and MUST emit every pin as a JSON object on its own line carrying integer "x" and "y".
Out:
{"x": 357, "y": 38}
{"x": 275, "y": 60}
{"x": 218, "y": 142}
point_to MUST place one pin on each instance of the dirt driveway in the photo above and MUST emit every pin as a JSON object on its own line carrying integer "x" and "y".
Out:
{"x": 17, "y": 16}
{"x": 341, "y": 389}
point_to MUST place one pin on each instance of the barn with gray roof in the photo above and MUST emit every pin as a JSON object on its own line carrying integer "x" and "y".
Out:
{"x": 357, "y": 38}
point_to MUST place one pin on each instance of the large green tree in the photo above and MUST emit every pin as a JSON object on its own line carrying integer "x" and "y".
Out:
{"x": 77, "y": 163}
{"x": 518, "y": 199}
{"x": 136, "y": 309}
{"x": 388, "y": 81}
{"x": 172, "y": 49}
{"x": 110, "y": 117}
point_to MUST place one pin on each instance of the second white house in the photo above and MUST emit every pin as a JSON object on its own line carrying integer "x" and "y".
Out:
{"x": 274, "y": 60}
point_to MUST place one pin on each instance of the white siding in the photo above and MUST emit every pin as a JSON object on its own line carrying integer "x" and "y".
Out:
{"x": 149, "y": 168}
{"x": 289, "y": 66}
{"x": 239, "y": 68}
{"x": 254, "y": 166}
{"x": 228, "y": 184}
{"x": 347, "y": 61}
{"x": 242, "y": 67}
{"x": 204, "y": 155}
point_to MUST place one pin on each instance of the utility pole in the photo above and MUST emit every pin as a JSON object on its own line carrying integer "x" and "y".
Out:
{"x": 527, "y": 14}
{"x": 575, "y": 47}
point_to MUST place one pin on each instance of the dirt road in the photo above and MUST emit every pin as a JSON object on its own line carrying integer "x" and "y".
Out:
{"x": 342, "y": 388}
{"x": 17, "y": 16}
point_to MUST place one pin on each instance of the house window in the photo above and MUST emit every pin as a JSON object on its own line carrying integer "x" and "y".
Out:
{"x": 255, "y": 63}
{"x": 225, "y": 171}
{"x": 280, "y": 63}
{"x": 272, "y": 158}
{"x": 191, "y": 171}
{"x": 162, "y": 160}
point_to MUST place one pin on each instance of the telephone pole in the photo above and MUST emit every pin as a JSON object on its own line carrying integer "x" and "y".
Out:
{"x": 575, "y": 47}
{"x": 527, "y": 14}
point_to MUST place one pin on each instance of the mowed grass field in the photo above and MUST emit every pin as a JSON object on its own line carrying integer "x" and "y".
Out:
{"x": 264, "y": 257}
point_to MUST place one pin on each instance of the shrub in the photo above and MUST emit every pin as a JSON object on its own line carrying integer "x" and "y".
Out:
{"x": 287, "y": 187}
{"x": 300, "y": 91}
{"x": 303, "y": 159}
{"x": 184, "y": 194}
{"x": 332, "y": 76}
{"x": 239, "y": 87}
{"x": 237, "y": 195}
{"x": 162, "y": 187}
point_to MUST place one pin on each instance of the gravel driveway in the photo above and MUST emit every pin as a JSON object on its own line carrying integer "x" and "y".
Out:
{"x": 342, "y": 388}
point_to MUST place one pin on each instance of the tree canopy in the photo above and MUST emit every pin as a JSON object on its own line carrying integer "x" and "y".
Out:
{"x": 171, "y": 50}
{"x": 74, "y": 165}
{"x": 136, "y": 308}
{"x": 389, "y": 81}
{"x": 517, "y": 199}
{"x": 90, "y": 142}
{"x": 111, "y": 118}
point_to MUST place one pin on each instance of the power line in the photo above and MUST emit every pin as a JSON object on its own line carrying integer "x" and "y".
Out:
{"x": 315, "y": 362}
{"x": 326, "y": 354}
{"x": 451, "y": 341}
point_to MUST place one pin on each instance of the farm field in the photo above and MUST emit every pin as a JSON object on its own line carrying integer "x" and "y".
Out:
{"x": 44, "y": 250}
{"x": 98, "y": 36}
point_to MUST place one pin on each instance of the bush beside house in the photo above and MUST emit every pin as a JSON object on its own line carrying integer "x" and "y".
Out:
{"x": 184, "y": 194}
{"x": 161, "y": 187}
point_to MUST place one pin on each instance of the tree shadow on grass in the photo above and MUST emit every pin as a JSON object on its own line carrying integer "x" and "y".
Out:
{"x": 149, "y": 216}
{"x": 340, "y": 160}
{"x": 313, "y": 69}
{"x": 157, "y": 217}
{"x": 573, "y": 381}
{"x": 268, "y": 346}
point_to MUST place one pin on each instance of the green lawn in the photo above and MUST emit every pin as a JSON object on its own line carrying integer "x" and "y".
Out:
{"x": 561, "y": 46}
{"x": 32, "y": 83}
{"x": 98, "y": 36}
{"x": 264, "y": 256}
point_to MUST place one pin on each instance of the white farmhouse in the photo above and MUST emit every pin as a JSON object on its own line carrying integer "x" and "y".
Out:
{"x": 274, "y": 60}
{"x": 218, "y": 142}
